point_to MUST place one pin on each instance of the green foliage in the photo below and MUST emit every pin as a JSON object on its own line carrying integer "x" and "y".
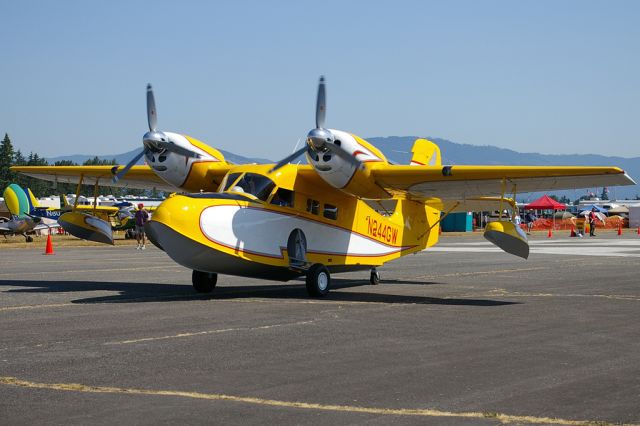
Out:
{"x": 6, "y": 160}
{"x": 65, "y": 163}
{"x": 96, "y": 161}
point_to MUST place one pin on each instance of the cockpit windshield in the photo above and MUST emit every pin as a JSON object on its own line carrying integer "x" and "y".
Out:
{"x": 251, "y": 183}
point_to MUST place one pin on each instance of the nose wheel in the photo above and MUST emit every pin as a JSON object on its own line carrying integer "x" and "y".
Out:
{"x": 318, "y": 280}
{"x": 204, "y": 282}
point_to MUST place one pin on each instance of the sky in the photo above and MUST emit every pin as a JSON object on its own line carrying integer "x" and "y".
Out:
{"x": 533, "y": 76}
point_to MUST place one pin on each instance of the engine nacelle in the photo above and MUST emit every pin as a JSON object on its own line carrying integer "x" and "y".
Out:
{"x": 344, "y": 175}
{"x": 175, "y": 168}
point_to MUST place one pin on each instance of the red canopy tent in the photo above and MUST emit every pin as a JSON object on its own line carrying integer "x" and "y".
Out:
{"x": 545, "y": 203}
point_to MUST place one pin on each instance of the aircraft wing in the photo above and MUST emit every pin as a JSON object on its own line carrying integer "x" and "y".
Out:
{"x": 435, "y": 184}
{"x": 139, "y": 177}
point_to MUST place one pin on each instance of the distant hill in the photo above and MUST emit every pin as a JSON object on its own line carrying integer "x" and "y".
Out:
{"x": 398, "y": 149}
{"x": 125, "y": 157}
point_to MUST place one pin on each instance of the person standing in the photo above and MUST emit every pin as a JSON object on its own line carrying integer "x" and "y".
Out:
{"x": 141, "y": 217}
{"x": 592, "y": 222}
{"x": 529, "y": 218}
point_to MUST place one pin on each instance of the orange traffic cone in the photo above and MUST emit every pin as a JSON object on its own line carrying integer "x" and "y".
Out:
{"x": 439, "y": 230}
{"x": 619, "y": 229}
{"x": 638, "y": 230}
{"x": 49, "y": 248}
{"x": 550, "y": 234}
{"x": 573, "y": 232}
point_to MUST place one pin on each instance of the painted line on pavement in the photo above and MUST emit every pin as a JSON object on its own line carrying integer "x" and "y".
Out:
{"x": 202, "y": 333}
{"x": 420, "y": 412}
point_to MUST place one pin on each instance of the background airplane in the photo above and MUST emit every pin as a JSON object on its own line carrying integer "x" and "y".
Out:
{"x": 348, "y": 209}
{"x": 21, "y": 203}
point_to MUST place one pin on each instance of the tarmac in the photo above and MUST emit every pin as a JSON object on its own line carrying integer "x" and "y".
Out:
{"x": 459, "y": 334}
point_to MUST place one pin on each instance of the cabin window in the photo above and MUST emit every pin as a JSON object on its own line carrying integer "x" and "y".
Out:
{"x": 330, "y": 212}
{"x": 229, "y": 180}
{"x": 283, "y": 197}
{"x": 313, "y": 206}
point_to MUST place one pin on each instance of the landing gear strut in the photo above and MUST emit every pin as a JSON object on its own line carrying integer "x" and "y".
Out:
{"x": 204, "y": 282}
{"x": 318, "y": 280}
{"x": 375, "y": 277}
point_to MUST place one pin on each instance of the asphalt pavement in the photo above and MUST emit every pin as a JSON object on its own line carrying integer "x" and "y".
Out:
{"x": 461, "y": 334}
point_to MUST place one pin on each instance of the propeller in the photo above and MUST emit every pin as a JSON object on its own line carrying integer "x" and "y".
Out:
{"x": 154, "y": 141}
{"x": 320, "y": 140}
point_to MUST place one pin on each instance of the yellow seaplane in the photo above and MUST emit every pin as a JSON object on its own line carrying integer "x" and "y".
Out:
{"x": 348, "y": 209}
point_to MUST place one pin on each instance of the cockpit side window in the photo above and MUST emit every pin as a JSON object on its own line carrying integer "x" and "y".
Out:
{"x": 257, "y": 185}
{"x": 229, "y": 180}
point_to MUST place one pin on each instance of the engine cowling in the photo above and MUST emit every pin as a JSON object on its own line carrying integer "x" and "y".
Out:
{"x": 175, "y": 168}
{"x": 345, "y": 175}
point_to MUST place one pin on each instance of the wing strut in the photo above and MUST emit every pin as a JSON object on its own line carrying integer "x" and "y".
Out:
{"x": 437, "y": 222}
{"x": 75, "y": 202}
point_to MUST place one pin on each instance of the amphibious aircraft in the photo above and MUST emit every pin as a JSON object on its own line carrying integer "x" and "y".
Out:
{"x": 21, "y": 204}
{"x": 348, "y": 209}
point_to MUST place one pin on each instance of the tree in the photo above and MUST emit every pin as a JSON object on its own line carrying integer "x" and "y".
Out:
{"x": 6, "y": 161}
{"x": 553, "y": 197}
{"x": 96, "y": 161}
{"x": 605, "y": 193}
{"x": 65, "y": 163}
{"x": 565, "y": 200}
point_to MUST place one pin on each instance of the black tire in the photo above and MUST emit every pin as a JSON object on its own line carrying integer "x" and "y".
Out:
{"x": 29, "y": 239}
{"x": 204, "y": 282}
{"x": 374, "y": 279}
{"x": 318, "y": 280}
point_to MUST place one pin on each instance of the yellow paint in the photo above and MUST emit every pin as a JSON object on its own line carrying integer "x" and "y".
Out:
{"x": 418, "y": 412}
{"x": 403, "y": 230}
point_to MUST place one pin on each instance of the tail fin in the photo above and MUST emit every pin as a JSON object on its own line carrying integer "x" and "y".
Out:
{"x": 32, "y": 199}
{"x": 16, "y": 200}
{"x": 425, "y": 153}
{"x": 64, "y": 203}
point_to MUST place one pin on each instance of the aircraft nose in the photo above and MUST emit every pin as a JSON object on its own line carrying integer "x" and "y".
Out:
{"x": 176, "y": 212}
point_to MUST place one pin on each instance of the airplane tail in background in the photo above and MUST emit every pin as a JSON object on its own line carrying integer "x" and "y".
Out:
{"x": 32, "y": 199}
{"x": 17, "y": 200}
{"x": 425, "y": 153}
{"x": 64, "y": 203}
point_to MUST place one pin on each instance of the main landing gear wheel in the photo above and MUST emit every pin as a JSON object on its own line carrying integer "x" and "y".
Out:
{"x": 204, "y": 282}
{"x": 375, "y": 277}
{"x": 318, "y": 280}
{"x": 29, "y": 239}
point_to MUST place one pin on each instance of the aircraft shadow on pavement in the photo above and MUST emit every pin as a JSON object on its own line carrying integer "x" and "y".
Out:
{"x": 152, "y": 292}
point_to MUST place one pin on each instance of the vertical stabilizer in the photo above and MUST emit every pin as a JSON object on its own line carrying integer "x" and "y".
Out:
{"x": 16, "y": 200}
{"x": 32, "y": 199}
{"x": 425, "y": 153}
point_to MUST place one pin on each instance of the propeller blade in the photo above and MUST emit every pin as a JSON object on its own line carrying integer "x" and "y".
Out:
{"x": 335, "y": 149}
{"x": 126, "y": 168}
{"x": 287, "y": 159}
{"x": 321, "y": 105}
{"x": 152, "y": 116}
{"x": 172, "y": 147}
